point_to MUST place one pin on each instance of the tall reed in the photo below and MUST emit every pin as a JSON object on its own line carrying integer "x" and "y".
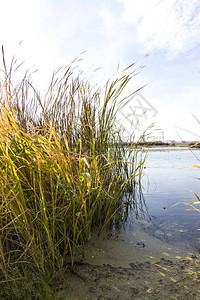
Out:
{"x": 62, "y": 170}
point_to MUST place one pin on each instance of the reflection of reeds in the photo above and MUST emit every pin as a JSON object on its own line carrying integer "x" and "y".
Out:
{"x": 60, "y": 171}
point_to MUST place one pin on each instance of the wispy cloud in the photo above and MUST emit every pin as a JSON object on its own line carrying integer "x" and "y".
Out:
{"x": 172, "y": 25}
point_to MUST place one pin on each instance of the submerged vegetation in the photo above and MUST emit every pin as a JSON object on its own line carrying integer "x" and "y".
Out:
{"x": 61, "y": 174}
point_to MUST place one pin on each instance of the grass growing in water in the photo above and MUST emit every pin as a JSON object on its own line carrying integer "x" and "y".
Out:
{"x": 60, "y": 174}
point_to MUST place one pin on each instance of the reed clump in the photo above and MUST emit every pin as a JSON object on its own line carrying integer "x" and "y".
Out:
{"x": 62, "y": 171}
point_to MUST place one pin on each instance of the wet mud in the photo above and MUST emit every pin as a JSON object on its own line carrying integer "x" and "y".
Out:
{"x": 164, "y": 279}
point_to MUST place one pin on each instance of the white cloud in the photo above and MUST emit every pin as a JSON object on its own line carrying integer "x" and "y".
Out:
{"x": 172, "y": 25}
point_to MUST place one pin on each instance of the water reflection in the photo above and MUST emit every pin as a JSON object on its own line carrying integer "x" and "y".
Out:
{"x": 168, "y": 180}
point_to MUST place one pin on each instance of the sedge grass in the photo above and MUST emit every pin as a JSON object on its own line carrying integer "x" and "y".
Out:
{"x": 60, "y": 172}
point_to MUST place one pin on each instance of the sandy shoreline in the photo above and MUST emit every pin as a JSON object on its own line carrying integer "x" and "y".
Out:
{"x": 140, "y": 281}
{"x": 114, "y": 268}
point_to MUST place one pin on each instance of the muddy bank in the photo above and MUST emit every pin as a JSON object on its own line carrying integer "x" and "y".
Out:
{"x": 122, "y": 248}
{"x": 140, "y": 281}
{"x": 141, "y": 267}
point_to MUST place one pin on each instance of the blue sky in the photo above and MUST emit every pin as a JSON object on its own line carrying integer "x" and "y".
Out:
{"x": 116, "y": 32}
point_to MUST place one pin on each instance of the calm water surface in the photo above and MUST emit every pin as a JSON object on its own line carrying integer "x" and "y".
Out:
{"x": 168, "y": 178}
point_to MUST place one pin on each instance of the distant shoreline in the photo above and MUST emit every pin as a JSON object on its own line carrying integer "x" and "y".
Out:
{"x": 163, "y": 144}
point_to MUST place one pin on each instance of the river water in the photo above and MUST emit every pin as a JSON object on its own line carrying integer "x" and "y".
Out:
{"x": 168, "y": 178}
{"x": 164, "y": 225}
{"x": 168, "y": 182}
